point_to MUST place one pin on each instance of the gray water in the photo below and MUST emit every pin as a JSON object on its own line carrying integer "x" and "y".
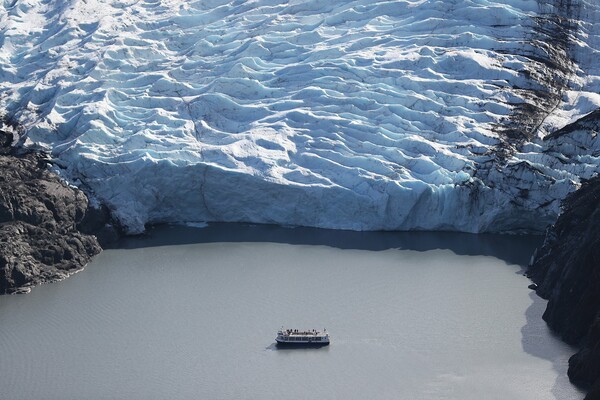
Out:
{"x": 192, "y": 314}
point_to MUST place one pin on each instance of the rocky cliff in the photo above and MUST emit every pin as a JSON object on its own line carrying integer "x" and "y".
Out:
{"x": 567, "y": 271}
{"x": 46, "y": 227}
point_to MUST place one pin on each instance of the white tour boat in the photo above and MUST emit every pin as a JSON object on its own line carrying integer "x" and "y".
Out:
{"x": 295, "y": 337}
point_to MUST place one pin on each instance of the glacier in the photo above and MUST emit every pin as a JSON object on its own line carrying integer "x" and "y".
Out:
{"x": 364, "y": 115}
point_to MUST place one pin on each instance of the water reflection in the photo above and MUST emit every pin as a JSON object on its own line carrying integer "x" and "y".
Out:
{"x": 503, "y": 247}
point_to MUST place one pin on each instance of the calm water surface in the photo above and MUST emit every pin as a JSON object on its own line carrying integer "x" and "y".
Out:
{"x": 192, "y": 314}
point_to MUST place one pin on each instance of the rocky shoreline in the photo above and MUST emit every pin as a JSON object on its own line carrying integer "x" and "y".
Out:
{"x": 565, "y": 270}
{"x": 48, "y": 230}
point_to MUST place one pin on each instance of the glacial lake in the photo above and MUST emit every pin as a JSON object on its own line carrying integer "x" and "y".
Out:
{"x": 185, "y": 313}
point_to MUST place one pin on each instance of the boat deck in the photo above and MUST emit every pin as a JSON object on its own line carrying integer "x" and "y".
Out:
{"x": 295, "y": 333}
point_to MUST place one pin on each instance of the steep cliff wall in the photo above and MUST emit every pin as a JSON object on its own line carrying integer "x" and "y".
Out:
{"x": 567, "y": 271}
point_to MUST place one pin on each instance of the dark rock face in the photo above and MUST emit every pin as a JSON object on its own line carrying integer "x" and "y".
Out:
{"x": 46, "y": 227}
{"x": 549, "y": 69}
{"x": 567, "y": 271}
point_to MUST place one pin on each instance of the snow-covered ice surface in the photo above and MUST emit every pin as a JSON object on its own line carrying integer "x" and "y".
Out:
{"x": 340, "y": 114}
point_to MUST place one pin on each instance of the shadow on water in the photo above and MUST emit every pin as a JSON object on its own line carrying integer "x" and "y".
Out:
{"x": 536, "y": 344}
{"x": 503, "y": 247}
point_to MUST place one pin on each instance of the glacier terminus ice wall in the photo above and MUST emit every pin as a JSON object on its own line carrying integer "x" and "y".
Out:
{"x": 473, "y": 115}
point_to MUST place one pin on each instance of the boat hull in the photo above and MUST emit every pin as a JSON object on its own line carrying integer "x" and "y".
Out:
{"x": 301, "y": 345}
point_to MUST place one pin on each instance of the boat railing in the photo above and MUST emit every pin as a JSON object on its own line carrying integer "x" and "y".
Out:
{"x": 294, "y": 332}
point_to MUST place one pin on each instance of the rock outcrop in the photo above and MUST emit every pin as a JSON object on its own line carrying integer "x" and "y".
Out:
{"x": 46, "y": 227}
{"x": 566, "y": 270}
